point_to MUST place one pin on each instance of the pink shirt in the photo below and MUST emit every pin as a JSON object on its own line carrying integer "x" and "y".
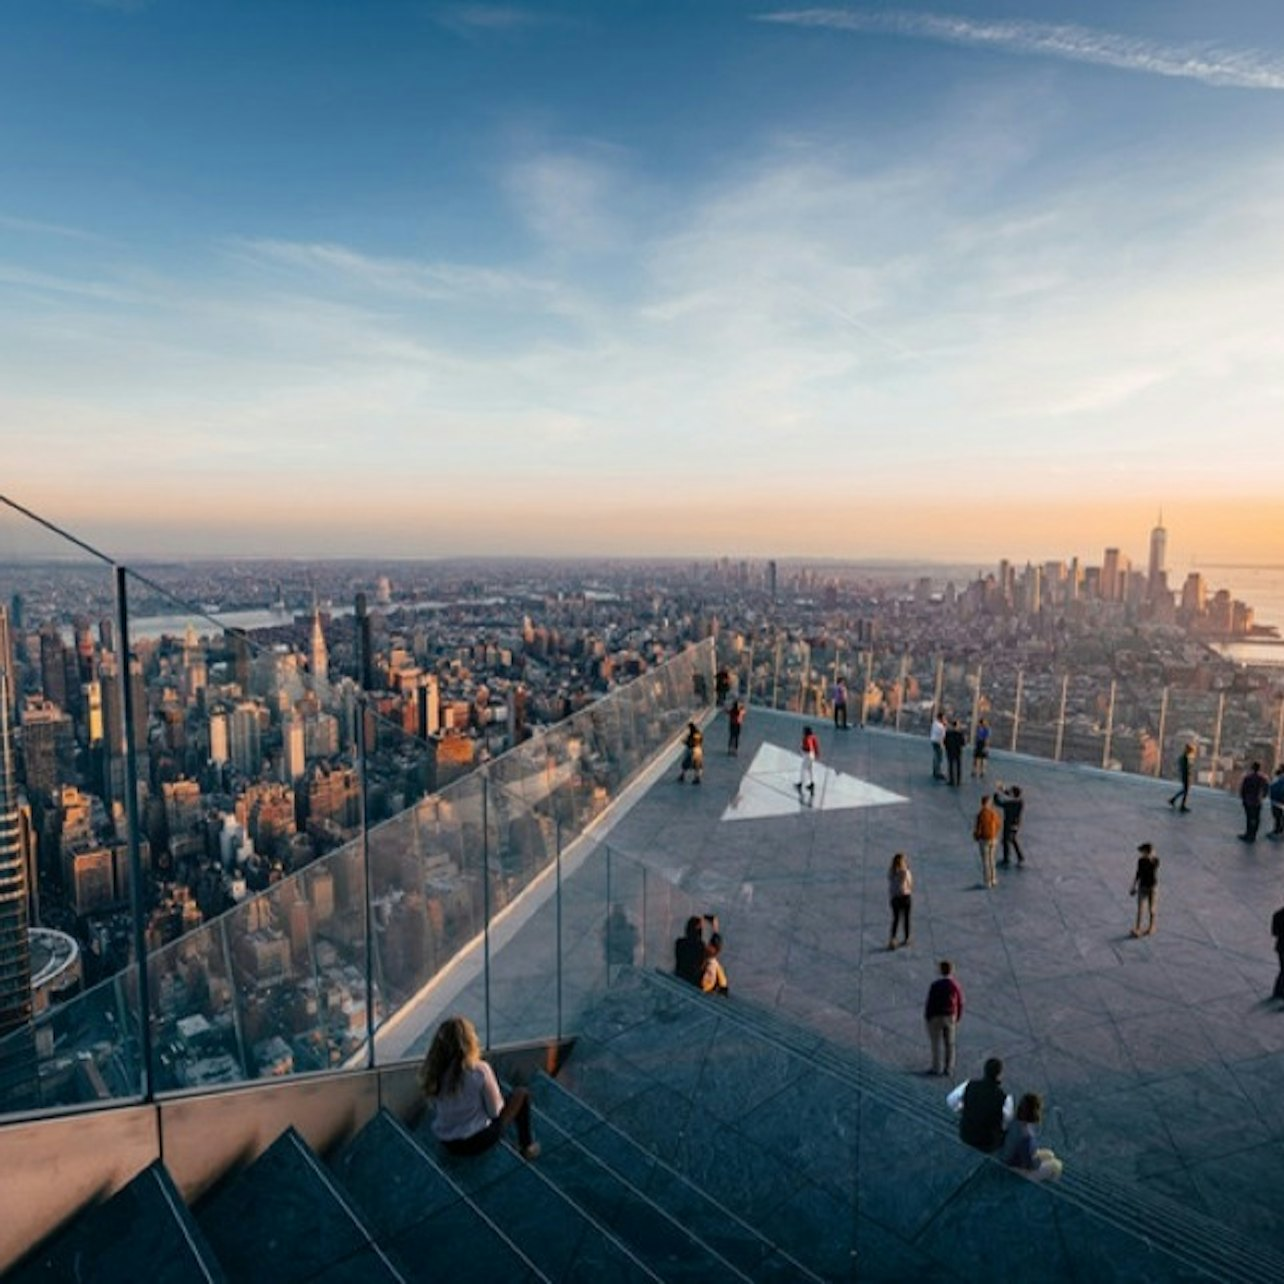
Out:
{"x": 471, "y": 1107}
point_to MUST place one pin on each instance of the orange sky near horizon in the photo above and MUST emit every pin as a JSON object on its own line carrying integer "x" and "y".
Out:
{"x": 694, "y": 520}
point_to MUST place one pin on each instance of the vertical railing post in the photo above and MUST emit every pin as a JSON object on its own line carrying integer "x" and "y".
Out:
{"x": 938, "y": 687}
{"x": 486, "y": 906}
{"x": 1110, "y": 727}
{"x": 775, "y": 679}
{"x": 610, "y": 918}
{"x": 1279, "y": 734}
{"x": 976, "y": 704}
{"x": 805, "y": 689}
{"x": 368, "y": 910}
{"x": 1016, "y": 709}
{"x": 747, "y": 694}
{"x": 864, "y": 691}
{"x": 900, "y": 689}
{"x": 1061, "y": 718}
{"x": 644, "y": 935}
{"x": 559, "y": 940}
{"x": 1163, "y": 731}
{"x": 136, "y": 891}
{"x": 1217, "y": 740}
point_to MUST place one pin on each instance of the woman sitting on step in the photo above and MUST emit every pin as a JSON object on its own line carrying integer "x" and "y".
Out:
{"x": 1021, "y": 1149}
{"x": 471, "y": 1113}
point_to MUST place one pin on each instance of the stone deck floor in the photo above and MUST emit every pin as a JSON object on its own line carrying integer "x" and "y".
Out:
{"x": 1161, "y": 1059}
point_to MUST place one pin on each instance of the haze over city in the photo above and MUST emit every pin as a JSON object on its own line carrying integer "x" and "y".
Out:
{"x": 317, "y": 280}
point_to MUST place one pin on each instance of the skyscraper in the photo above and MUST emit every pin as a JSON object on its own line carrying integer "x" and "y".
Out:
{"x": 17, "y": 1051}
{"x": 318, "y": 654}
{"x": 1156, "y": 572}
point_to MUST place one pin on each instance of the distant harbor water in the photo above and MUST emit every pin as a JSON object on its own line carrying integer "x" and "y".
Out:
{"x": 1262, "y": 587}
{"x": 214, "y": 622}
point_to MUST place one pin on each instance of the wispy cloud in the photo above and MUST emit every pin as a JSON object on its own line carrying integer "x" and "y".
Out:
{"x": 1239, "y": 69}
{"x": 38, "y": 227}
{"x": 489, "y": 19}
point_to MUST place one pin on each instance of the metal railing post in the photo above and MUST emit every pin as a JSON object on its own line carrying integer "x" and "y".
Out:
{"x": 486, "y": 906}
{"x": 900, "y": 689}
{"x": 976, "y": 704}
{"x": 1110, "y": 727}
{"x": 775, "y": 679}
{"x": 1163, "y": 728}
{"x": 864, "y": 691}
{"x": 1217, "y": 739}
{"x": 136, "y": 897}
{"x": 805, "y": 689}
{"x": 1016, "y": 709}
{"x": 368, "y": 913}
{"x": 559, "y": 939}
{"x": 938, "y": 688}
{"x": 1061, "y": 718}
{"x": 1279, "y": 735}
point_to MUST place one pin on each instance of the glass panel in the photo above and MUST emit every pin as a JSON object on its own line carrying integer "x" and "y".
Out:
{"x": 65, "y": 919}
{"x": 523, "y": 992}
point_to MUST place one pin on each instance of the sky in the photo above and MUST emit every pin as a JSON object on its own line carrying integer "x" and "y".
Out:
{"x": 313, "y": 278}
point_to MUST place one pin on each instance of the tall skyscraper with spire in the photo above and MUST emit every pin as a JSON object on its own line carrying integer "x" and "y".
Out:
{"x": 1156, "y": 570}
{"x": 318, "y": 655}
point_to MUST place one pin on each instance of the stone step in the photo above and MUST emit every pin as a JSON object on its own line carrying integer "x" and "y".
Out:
{"x": 423, "y": 1220}
{"x": 564, "y": 1241}
{"x": 744, "y": 1253}
{"x": 143, "y": 1232}
{"x": 1176, "y": 1230}
{"x": 285, "y": 1219}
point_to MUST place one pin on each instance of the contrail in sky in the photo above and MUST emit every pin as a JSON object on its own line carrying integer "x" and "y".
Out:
{"x": 1239, "y": 69}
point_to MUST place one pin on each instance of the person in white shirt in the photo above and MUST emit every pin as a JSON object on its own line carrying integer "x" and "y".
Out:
{"x": 471, "y": 1112}
{"x": 937, "y": 737}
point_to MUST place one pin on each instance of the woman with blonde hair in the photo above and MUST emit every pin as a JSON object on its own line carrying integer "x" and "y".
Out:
{"x": 471, "y": 1112}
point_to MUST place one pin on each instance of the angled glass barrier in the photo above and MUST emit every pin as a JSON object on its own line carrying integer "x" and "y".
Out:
{"x": 69, "y": 1016}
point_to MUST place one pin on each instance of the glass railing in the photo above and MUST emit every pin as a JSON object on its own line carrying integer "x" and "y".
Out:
{"x": 313, "y": 865}
{"x": 1119, "y": 717}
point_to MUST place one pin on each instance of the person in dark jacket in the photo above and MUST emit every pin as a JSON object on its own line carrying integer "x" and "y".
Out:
{"x": 1012, "y": 805}
{"x": 1277, "y": 931}
{"x": 955, "y": 739}
{"x": 986, "y": 1109}
{"x": 1185, "y": 775}
{"x": 689, "y": 951}
{"x": 1277, "y": 803}
{"x": 1253, "y": 791}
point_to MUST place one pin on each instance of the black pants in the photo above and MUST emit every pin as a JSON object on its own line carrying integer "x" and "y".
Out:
{"x": 1252, "y": 820}
{"x": 955, "y": 764}
{"x": 1277, "y": 815}
{"x": 1279, "y": 980}
{"x": 1010, "y": 845}
{"x": 900, "y": 914}
{"x": 488, "y": 1136}
{"x": 840, "y": 716}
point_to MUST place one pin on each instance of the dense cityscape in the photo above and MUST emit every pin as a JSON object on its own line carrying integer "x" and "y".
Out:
{"x": 252, "y": 742}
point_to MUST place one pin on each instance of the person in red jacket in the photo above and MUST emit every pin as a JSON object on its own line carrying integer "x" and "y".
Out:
{"x": 943, "y": 1012}
{"x": 807, "y": 769}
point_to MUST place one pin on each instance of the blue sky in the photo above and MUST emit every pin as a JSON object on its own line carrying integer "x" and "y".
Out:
{"x": 408, "y": 278}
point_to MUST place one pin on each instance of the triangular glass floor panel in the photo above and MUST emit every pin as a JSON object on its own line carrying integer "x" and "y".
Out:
{"x": 770, "y": 788}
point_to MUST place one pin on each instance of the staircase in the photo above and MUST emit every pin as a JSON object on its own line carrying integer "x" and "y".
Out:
{"x": 687, "y": 1138}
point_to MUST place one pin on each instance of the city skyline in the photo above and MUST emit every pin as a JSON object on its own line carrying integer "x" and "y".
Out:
{"x": 748, "y": 279}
